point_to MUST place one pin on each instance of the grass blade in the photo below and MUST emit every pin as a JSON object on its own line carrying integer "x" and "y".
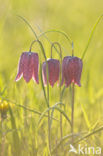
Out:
{"x": 68, "y": 136}
{"x": 90, "y": 134}
{"x": 91, "y": 35}
{"x": 16, "y": 140}
{"x": 58, "y": 31}
{"x": 26, "y": 108}
{"x": 42, "y": 83}
{"x": 57, "y": 108}
{"x": 86, "y": 117}
{"x": 22, "y": 18}
{"x": 64, "y": 139}
{"x": 52, "y": 113}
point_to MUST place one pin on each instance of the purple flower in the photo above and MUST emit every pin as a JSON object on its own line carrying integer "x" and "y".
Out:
{"x": 53, "y": 71}
{"x": 71, "y": 70}
{"x": 28, "y": 67}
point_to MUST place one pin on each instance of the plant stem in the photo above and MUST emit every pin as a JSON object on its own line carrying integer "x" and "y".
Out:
{"x": 48, "y": 103}
{"x": 91, "y": 35}
{"x": 43, "y": 52}
{"x": 58, "y": 31}
{"x": 72, "y": 113}
{"x": 49, "y": 138}
{"x": 61, "y": 129}
{"x": 60, "y": 55}
{"x": 2, "y": 137}
{"x": 46, "y": 97}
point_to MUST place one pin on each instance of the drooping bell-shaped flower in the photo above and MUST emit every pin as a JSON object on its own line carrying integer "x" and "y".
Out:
{"x": 28, "y": 67}
{"x": 71, "y": 70}
{"x": 53, "y": 71}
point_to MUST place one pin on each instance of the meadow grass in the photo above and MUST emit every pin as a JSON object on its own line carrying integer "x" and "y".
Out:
{"x": 24, "y": 127}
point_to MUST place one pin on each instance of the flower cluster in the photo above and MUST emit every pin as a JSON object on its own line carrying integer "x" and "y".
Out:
{"x": 29, "y": 68}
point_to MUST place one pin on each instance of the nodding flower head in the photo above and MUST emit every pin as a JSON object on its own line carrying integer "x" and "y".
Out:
{"x": 53, "y": 71}
{"x": 28, "y": 67}
{"x": 71, "y": 70}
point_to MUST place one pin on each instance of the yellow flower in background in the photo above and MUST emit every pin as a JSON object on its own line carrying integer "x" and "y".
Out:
{"x": 4, "y": 105}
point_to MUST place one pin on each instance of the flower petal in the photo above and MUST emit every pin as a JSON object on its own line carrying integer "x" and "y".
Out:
{"x": 35, "y": 62}
{"x": 53, "y": 70}
{"x": 44, "y": 73}
{"x": 71, "y": 70}
{"x": 20, "y": 68}
{"x": 28, "y": 66}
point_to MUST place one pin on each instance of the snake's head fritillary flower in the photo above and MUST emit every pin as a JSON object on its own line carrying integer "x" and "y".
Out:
{"x": 53, "y": 71}
{"x": 71, "y": 70}
{"x": 28, "y": 67}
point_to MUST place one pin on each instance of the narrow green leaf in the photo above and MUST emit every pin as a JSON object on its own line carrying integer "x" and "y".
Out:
{"x": 65, "y": 138}
{"x": 91, "y": 35}
{"x": 26, "y": 108}
{"x": 16, "y": 139}
{"x": 22, "y": 18}
{"x": 94, "y": 125}
{"x": 52, "y": 112}
{"x": 55, "y": 107}
{"x": 63, "y": 90}
{"x": 58, "y": 31}
{"x": 42, "y": 83}
{"x": 3, "y": 91}
{"x": 47, "y": 39}
{"x": 85, "y": 117}
{"x": 90, "y": 134}
{"x": 86, "y": 136}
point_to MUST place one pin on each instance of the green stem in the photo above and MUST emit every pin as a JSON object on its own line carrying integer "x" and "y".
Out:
{"x": 57, "y": 108}
{"x": 49, "y": 132}
{"x": 61, "y": 122}
{"x": 89, "y": 134}
{"x": 72, "y": 113}
{"x": 91, "y": 35}
{"x": 58, "y": 31}
{"x": 43, "y": 51}
{"x": 61, "y": 129}
{"x": 82, "y": 138}
{"x": 22, "y": 18}
{"x": 46, "y": 97}
{"x": 2, "y": 137}
{"x": 49, "y": 136}
{"x": 72, "y": 49}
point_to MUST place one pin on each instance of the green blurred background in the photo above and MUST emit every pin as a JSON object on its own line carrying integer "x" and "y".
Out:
{"x": 76, "y": 18}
